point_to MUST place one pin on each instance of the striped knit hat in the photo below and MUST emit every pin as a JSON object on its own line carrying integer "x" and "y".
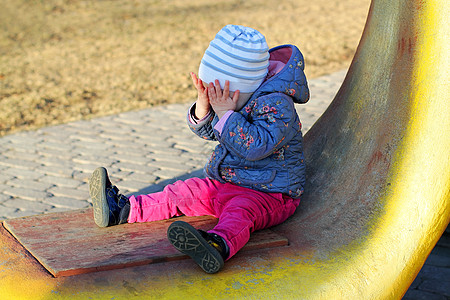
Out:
{"x": 238, "y": 54}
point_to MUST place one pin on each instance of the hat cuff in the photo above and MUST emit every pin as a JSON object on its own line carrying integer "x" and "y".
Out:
{"x": 208, "y": 75}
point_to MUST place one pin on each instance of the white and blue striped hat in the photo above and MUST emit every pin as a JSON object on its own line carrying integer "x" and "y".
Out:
{"x": 239, "y": 54}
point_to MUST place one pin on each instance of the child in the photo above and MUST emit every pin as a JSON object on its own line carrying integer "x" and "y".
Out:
{"x": 256, "y": 174}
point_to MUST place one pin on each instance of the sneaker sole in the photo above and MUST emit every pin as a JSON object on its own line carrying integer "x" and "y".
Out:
{"x": 188, "y": 240}
{"x": 97, "y": 185}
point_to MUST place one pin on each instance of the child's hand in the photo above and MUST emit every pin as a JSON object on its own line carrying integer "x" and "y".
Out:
{"x": 221, "y": 102}
{"x": 202, "y": 105}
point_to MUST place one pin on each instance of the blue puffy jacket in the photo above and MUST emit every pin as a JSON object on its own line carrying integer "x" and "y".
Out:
{"x": 261, "y": 145}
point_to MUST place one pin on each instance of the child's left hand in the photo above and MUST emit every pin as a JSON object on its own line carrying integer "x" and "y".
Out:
{"x": 221, "y": 102}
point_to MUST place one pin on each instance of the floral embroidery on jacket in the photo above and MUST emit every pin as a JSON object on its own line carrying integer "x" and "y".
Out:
{"x": 269, "y": 113}
{"x": 227, "y": 174}
{"x": 279, "y": 154}
{"x": 290, "y": 92}
{"x": 246, "y": 138}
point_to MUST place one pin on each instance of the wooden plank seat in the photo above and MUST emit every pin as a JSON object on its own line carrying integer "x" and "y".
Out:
{"x": 70, "y": 243}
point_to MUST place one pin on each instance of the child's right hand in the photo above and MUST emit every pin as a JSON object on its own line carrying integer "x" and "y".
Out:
{"x": 202, "y": 106}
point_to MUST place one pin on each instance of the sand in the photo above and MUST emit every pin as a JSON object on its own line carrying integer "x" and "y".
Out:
{"x": 66, "y": 60}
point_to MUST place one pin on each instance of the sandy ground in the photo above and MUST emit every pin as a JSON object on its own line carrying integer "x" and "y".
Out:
{"x": 65, "y": 60}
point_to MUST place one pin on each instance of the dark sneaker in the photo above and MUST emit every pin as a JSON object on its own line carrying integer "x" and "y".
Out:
{"x": 208, "y": 250}
{"x": 110, "y": 207}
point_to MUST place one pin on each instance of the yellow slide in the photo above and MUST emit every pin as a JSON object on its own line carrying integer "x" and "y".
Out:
{"x": 379, "y": 178}
{"x": 378, "y": 192}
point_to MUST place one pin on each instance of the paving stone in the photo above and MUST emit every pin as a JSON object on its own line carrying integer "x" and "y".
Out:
{"x": 81, "y": 126}
{"x": 22, "y": 155}
{"x": 98, "y": 146}
{"x": 111, "y": 137}
{"x": 67, "y": 202}
{"x": 59, "y": 181}
{"x": 26, "y": 193}
{"x": 29, "y": 184}
{"x": 87, "y": 168}
{"x": 99, "y": 159}
{"x": 167, "y": 151}
{"x": 128, "y": 119}
{"x": 27, "y": 205}
{"x": 444, "y": 241}
{"x": 149, "y": 189}
{"x": 11, "y": 212}
{"x": 22, "y": 139}
{"x": 133, "y": 158}
{"x": 81, "y": 175}
{"x": 88, "y": 137}
{"x": 153, "y": 130}
{"x": 422, "y": 295}
{"x": 163, "y": 157}
{"x": 3, "y": 187}
{"x": 130, "y": 148}
{"x": 132, "y": 186}
{"x": 81, "y": 151}
{"x": 440, "y": 250}
{"x": 201, "y": 157}
{"x": 21, "y": 164}
{"x": 146, "y": 178}
{"x": 170, "y": 165}
{"x": 22, "y": 173}
{"x": 160, "y": 127}
{"x": 156, "y": 144}
{"x": 435, "y": 260}
{"x": 4, "y": 197}
{"x": 99, "y": 122}
{"x": 54, "y": 131}
{"x": 68, "y": 192}
{"x": 441, "y": 287}
{"x": 195, "y": 164}
{"x": 5, "y": 177}
{"x": 145, "y": 143}
{"x": 125, "y": 166}
{"x": 168, "y": 174}
{"x": 60, "y": 162}
{"x": 191, "y": 140}
{"x": 51, "y": 141}
{"x": 68, "y": 155}
{"x": 431, "y": 272}
{"x": 118, "y": 176}
{"x": 113, "y": 128}
{"x": 55, "y": 171}
{"x": 192, "y": 148}
{"x": 83, "y": 187}
{"x": 417, "y": 281}
{"x": 55, "y": 145}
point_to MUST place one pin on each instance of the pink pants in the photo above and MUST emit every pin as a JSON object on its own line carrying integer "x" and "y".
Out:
{"x": 240, "y": 210}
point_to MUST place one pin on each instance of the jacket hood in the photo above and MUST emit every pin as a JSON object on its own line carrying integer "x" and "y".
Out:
{"x": 291, "y": 79}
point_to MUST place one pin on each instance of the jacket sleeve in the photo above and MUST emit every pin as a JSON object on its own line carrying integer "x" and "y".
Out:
{"x": 203, "y": 128}
{"x": 274, "y": 123}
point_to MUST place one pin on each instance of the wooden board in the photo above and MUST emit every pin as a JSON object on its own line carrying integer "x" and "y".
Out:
{"x": 70, "y": 243}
